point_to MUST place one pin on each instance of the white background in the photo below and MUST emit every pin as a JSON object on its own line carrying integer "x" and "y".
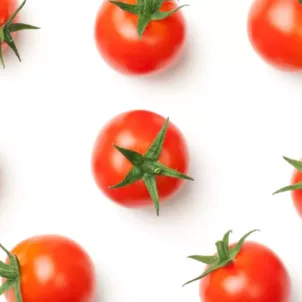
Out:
{"x": 239, "y": 116}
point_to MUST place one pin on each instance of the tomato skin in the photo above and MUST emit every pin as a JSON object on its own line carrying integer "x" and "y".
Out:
{"x": 297, "y": 194}
{"x": 119, "y": 44}
{"x": 136, "y": 130}
{"x": 54, "y": 268}
{"x": 275, "y": 31}
{"x": 256, "y": 275}
{"x": 7, "y": 8}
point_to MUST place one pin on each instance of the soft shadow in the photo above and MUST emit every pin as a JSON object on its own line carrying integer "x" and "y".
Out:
{"x": 180, "y": 69}
{"x": 100, "y": 286}
{"x": 183, "y": 202}
{"x": 291, "y": 76}
{"x": 180, "y": 73}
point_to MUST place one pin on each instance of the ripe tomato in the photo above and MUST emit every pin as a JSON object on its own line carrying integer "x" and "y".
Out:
{"x": 8, "y": 27}
{"x": 275, "y": 31}
{"x": 120, "y": 45}
{"x": 297, "y": 194}
{"x": 249, "y": 272}
{"x": 296, "y": 184}
{"x": 136, "y": 130}
{"x": 7, "y": 8}
{"x": 53, "y": 268}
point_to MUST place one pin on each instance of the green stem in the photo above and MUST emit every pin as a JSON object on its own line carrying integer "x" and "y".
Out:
{"x": 8, "y": 273}
{"x": 225, "y": 255}
{"x": 221, "y": 251}
{"x": 147, "y": 11}
{"x": 146, "y": 167}
{"x": 11, "y": 272}
{"x": 8, "y": 28}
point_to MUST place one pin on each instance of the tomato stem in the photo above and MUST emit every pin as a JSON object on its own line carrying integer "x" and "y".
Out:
{"x": 11, "y": 272}
{"x": 147, "y": 11}
{"x": 225, "y": 255}
{"x": 8, "y": 28}
{"x": 221, "y": 251}
{"x": 297, "y": 186}
{"x": 146, "y": 167}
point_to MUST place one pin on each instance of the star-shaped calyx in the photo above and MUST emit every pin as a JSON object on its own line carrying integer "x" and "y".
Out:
{"x": 225, "y": 255}
{"x": 147, "y": 167}
{"x": 147, "y": 11}
{"x": 6, "y": 31}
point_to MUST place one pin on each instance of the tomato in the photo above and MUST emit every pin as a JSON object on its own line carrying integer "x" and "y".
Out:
{"x": 136, "y": 130}
{"x": 7, "y": 7}
{"x": 275, "y": 31}
{"x": 122, "y": 48}
{"x": 53, "y": 268}
{"x": 8, "y": 26}
{"x": 246, "y": 271}
{"x": 296, "y": 184}
{"x": 297, "y": 194}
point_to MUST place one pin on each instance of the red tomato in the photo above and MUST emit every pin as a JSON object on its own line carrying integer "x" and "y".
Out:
{"x": 7, "y": 8}
{"x": 54, "y": 268}
{"x": 275, "y": 31}
{"x": 256, "y": 275}
{"x": 119, "y": 44}
{"x": 136, "y": 130}
{"x": 297, "y": 194}
{"x": 296, "y": 184}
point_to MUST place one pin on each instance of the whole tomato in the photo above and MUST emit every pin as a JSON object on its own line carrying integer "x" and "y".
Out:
{"x": 49, "y": 268}
{"x": 152, "y": 166}
{"x": 8, "y": 26}
{"x": 275, "y": 31}
{"x": 140, "y": 37}
{"x": 245, "y": 271}
{"x": 296, "y": 184}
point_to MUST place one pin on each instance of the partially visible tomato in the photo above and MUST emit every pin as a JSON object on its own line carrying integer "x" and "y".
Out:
{"x": 118, "y": 42}
{"x": 296, "y": 184}
{"x": 297, "y": 194}
{"x": 275, "y": 31}
{"x": 136, "y": 130}
{"x": 7, "y": 8}
{"x": 246, "y": 271}
{"x": 9, "y": 26}
{"x": 53, "y": 268}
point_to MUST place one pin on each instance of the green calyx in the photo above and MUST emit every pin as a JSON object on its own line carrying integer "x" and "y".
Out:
{"x": 297, "y": 165}
{"x": 225, "y": 255}
{"x": 146, "y": 167}
{"x": 147, "y": 11}
{"x": 6, "y": 31}
{"x": 11, "y": 272}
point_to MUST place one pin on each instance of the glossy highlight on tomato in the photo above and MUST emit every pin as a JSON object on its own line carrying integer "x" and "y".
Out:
{"x": 136, "y": 130}
{"x": 53, "y": 268}
{"x": 275, "y": 32}
{"x": 121, "y": 47}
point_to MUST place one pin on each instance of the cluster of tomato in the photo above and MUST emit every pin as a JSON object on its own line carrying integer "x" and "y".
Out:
{"x": 140, "y": 158}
